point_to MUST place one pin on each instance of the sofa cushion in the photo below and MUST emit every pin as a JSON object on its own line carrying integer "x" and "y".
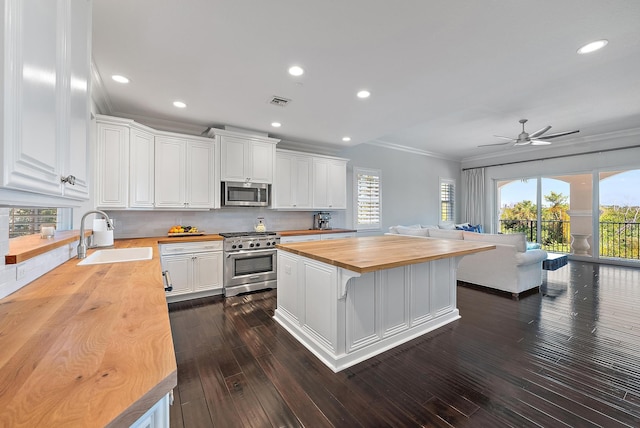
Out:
{"x": 394, "y": 229}
{"x": 403, "y": 230}
{"x": 516, "y": 239}
{"x": 447, "y": 226}
{"x": 445, "y": 234}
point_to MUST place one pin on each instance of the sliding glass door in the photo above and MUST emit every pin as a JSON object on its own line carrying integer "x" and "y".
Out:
{"x": 592, "y": 214}
{"x": 619, "y": 222}
{"x": 546, "y": 208}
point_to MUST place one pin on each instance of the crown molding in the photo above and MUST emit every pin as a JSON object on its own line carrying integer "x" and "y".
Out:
{"x": 314, "y": 148}
{"x": 399, "y": 147}
{"x": 166, "y": 125}
{"x": 98, "y": 92}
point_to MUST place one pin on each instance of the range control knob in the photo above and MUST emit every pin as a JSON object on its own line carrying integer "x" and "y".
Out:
{"x": 251, "y": 245}
{"x": 258, "y": 244}
{"x": 240, "y": 246}
{"x": 268, "y": 243}
{"x": 233, "y": 247}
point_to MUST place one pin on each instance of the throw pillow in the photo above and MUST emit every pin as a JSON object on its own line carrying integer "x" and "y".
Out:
{"x": 533, "y": 246}
{"x": 469, "y": 228}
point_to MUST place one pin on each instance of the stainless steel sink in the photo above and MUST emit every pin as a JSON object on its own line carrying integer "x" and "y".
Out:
{"x": 118, "y": 255}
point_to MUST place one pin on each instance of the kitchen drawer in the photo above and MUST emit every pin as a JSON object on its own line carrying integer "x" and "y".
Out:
{"x": 326, "y": 236}
{"x": 190, "y": 247}
{"x": 299, "y": 238}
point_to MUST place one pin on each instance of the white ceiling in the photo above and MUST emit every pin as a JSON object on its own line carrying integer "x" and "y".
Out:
{"x": 445, "y": 76}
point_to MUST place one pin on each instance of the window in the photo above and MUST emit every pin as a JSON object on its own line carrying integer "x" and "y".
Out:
{"x": 27, "y": 221}
{"x": 368, "y": 195}
{"x": 447, "y": 200}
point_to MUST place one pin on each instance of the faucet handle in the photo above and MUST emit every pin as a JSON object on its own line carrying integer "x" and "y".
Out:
{"x": 110, "y": 225}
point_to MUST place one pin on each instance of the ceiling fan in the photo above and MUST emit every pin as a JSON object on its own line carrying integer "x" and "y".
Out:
{"x": 535, "y": 138}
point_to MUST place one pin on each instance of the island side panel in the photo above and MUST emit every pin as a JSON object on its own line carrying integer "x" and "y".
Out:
{"x": 375, "y": 312}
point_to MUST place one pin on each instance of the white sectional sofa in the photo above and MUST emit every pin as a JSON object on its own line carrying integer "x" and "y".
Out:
{"x": 510, "y": 267}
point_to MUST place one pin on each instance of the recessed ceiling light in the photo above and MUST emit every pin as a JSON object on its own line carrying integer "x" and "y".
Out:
{"x": 593, "y": 46}
{"x": 120, "y": 79}
{"x": 276, "y": 124}
{"x": 179, "y": 104}
{"x": 296, "y": 70}
{"x": 364, "y": 94}
{"x": 346, "y": 139}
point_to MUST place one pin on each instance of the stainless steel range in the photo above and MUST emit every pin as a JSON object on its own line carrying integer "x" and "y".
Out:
{"x": 249, "y": 261}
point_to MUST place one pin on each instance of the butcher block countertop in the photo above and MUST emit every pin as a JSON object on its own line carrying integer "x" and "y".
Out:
{"x": 313, "y": 232}
{"x": 374, "y": 253}
{"x": 86, "y": 345}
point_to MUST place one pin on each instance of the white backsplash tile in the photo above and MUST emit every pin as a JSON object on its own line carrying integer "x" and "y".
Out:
{"x": 136, "y": 224}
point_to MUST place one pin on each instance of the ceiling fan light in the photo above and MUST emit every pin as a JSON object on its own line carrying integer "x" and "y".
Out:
{"x": 540, "y": 143}
{"x": 593, "y": 46}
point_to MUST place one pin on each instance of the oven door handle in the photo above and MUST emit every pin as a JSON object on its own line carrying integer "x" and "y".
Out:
{"x": 248, "y": 252}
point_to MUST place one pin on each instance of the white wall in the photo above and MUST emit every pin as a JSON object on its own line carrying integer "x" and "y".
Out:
{"x": 410, "y": 183}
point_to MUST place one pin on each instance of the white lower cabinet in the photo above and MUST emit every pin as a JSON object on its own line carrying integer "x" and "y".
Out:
{"x": 195, "y": 268}
{"x": 316, "y": 237}
{"x": 157, "y": 416}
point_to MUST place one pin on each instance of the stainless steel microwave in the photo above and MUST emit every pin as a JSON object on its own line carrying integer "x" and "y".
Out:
{"x": 238, "y": 194}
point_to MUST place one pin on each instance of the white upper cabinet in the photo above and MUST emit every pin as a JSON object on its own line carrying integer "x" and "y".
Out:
{"x": 329, "y": 183}
{"x": 247, "y": 159}
{"x": 200, "y": 182}
{"x": 170, "y": 180}
{"x": 141, "y": 169}
{"x": 112, "y": 164}
{"x": 137, "y": 167}
{"x": 45, "y": 121}
{"x": 184, "y": 173}
{"x": 292, "y": 186}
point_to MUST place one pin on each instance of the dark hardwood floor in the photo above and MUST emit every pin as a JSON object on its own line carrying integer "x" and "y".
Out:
{"x": 567, "y": 356}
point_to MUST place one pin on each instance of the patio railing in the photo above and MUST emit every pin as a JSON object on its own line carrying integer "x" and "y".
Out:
{"x": 617, "y": 240}
{"x": 555, "y": 234}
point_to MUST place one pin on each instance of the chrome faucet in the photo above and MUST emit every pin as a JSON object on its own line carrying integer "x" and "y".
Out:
{"x": 82, "y": 246}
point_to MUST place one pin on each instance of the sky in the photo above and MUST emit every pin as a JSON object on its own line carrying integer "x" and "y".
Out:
{"x": 620, "y": 189}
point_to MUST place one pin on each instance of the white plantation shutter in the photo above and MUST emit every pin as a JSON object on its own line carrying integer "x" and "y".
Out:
{"x": 447, "y": 200}
{"x": 368, "y": 198}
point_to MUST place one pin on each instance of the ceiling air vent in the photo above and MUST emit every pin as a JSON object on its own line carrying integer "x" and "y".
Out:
{"x": 279, "y": 101}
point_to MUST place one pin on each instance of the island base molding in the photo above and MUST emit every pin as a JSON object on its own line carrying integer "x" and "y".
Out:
{"x": 343, "y": 325}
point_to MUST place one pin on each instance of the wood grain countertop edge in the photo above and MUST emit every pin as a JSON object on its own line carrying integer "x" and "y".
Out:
{"x": 307, "y": 249}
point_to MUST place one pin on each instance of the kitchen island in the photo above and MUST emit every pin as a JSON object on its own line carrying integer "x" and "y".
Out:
{"x": 348, "y": 300}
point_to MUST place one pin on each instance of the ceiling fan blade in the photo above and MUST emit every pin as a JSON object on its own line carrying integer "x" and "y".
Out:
{"x": 495, "y": 144}
{"x": 522, "y": 143}
{"x": 559, "y": 134}
{"x": 536, "y": 142}
{"x": 540, "y": 132}
{"x": 505, "y": 138}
